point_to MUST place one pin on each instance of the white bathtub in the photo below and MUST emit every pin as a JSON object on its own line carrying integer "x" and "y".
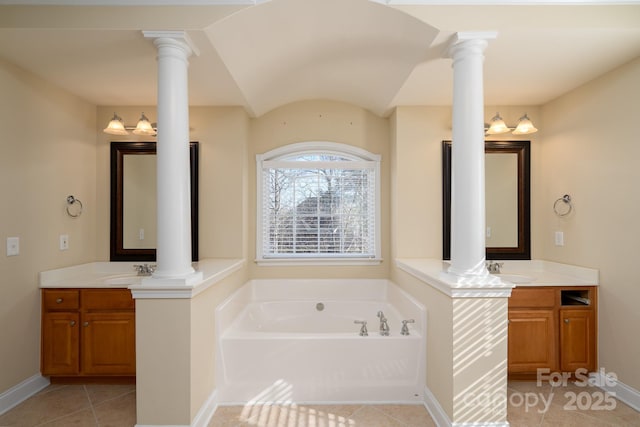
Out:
{"x": 276, "y": 345}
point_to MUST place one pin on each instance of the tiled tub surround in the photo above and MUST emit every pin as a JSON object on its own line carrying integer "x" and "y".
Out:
{"x": 279, "y": 344}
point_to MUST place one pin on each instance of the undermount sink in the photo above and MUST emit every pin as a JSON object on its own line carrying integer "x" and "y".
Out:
{"x": 516, "y": 278}
{"x": 123, "y": 279}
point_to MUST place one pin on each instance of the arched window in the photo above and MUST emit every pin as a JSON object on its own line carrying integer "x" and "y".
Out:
{"x": 318, "y": 201}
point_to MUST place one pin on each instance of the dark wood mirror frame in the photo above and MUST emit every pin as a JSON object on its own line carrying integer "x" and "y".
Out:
{"x": 118, "y": 150}
{"x": 523, "y": 150}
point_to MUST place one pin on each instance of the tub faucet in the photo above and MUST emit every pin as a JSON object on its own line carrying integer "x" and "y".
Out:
{"x": 405, "y": 329}
{"x": 494, "y": 267}
{"x": 384, "y": 326}
{"x": 363, "y": 328}
{"x": 144, "y": 269}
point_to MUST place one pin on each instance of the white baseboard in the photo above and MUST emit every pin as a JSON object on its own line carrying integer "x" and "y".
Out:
{"x": 206, "y": 411}
{"x": 441, "y": 418}
{"x": 202, "y": 418}
{"x": 438, "y": 414}
{"x": 618, "y": 389}
{"x": 21, "y": 392}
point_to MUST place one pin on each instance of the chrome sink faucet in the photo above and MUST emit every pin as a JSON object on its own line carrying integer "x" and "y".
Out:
{"x": 384, "y": 326}
{"x": 494, "y": 267}
{"x": 144, "y": 269}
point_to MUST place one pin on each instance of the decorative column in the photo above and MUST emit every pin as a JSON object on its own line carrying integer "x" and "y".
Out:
{"x": 173, "y": 253}
{"x": 467, "y": 166}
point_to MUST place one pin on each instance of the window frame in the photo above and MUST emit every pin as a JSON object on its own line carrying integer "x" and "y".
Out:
{"x": 324, "y": 147}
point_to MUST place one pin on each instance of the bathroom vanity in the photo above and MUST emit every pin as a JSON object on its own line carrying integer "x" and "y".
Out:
{"x": 552, "y": 327}
{"x": 88, "y": 323}
{"x": 552, "y": 312}
{"x": 89, "y": 314}
{"x": 88, "y": 332}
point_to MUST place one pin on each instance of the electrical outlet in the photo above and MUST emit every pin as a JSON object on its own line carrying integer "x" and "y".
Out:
{"x": 559, "y": 238}
{"x": 64, "y": 242}
{"x": 141, "y": 234}
{"x": 13, "y": 246}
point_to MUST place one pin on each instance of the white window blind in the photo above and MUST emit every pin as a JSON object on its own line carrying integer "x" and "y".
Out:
{"x": 319, "y": 205}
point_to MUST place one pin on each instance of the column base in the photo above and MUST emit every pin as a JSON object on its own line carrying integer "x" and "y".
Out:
{"x": 188, "y": 280}
{"x": 471, "y": 279}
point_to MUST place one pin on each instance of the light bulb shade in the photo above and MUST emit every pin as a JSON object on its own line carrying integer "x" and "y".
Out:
{"x": 116, "y": 126}
{"x": 497, "y": 126}
{"x": 524, "y": 126}
{"x": 144, "y": 127}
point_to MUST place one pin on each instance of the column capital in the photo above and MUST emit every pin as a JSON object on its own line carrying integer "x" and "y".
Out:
{"x": 177, "y": 38}
{"x": 469, "y": 42}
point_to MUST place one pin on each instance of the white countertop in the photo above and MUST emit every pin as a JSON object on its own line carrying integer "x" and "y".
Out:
{"x": 513, "y": 274}
{"x": 549, "y": 273}
{"x": 123, "y": 274}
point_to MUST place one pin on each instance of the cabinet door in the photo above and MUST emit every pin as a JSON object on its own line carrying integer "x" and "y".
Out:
{"x": 532, "y": 340}
{"x": 577, "y": 339}
{"x": 60, "y": 343}
{"x": 109, "y": 343}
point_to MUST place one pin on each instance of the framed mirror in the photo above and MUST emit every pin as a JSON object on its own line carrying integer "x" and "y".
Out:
{"x": 133, "y": 201}
{"x": 507, "y": 199}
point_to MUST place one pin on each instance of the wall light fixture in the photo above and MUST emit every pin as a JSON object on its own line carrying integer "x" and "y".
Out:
{"x": 498, "y": 126}
{"x": 117, "y": 127}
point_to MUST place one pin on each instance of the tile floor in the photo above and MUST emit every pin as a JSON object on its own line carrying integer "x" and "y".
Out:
{"x": 114, "y": 406}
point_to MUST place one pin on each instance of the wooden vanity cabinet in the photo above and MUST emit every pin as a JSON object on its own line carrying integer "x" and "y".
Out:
{"x": 533, "y": 333}
{"x": 553, "y": 328}
{"x": 88, "y": 333}
{"x": 577, "y": 335}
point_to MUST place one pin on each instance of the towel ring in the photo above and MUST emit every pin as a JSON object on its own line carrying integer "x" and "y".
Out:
{"x": 74, "y": 207}
{"x": 566, "y": 202}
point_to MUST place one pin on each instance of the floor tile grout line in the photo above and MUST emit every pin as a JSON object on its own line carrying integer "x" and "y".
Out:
{"x": 93, "y": 411}
{"x": 68, "y": 414}
{"x": 113, "y": 398}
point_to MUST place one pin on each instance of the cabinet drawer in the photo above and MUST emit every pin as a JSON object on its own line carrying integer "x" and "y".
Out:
{"x": 107, "y": 299}
{"x": 60, "y": 299}
{"x": 533, "y": 297}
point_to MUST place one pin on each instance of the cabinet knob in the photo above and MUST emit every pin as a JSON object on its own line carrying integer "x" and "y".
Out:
{"x": 566, "y": 320}
{"x": 59, "y": 301}
{"x": 72, "y": 323}
{"x": 85, "y": 324}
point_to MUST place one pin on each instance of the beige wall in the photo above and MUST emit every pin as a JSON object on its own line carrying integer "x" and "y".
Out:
{"x": 479, "y": 360}
{"x": 439, "y": 337}
{"x": 176, "y": 346}
{"x": 417, "y": 180}
{"x": 204, "y": 337}
{"x": 590, "y": 151}
{"x": 222, "y": 133}
{"x": 321, "y": 121}
{"x": 47, "y": 152}
{"x": 416, "y": 174}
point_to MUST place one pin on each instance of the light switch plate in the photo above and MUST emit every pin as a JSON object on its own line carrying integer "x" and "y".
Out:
{"x": 64, "y": 242}
{"x": 559, "y": 238}
{"x": 13, "y": 246}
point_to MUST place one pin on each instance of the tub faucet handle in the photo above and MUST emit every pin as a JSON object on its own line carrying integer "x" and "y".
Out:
{"x": 384, "y": 326}
{"x": 363, "y": 329}
{"x": 405, "y": 328}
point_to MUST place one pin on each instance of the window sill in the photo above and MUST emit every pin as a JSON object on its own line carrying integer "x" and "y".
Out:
{"x": 318, "y": 261}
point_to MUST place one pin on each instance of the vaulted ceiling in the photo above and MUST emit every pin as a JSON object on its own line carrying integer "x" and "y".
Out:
{"x": 263, "y": 54}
